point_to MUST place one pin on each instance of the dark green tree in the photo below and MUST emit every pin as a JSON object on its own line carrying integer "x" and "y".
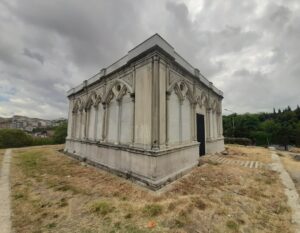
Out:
{"x": 60, "y": 133}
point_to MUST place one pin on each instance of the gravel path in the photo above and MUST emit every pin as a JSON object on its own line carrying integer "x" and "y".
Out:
{"x": 290, "y": 190}
{"x": 5, "y": 211}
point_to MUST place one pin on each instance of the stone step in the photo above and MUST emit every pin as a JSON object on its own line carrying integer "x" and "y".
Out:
{"x": 242, "y": 163}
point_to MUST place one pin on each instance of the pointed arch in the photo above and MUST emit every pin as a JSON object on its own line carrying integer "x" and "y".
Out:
{"x": 117, "y": 90}
{"x": 182, "y": 89}
{"x": 76, "y": 105}
{"x": 91, "y": 100}
{"x": 99, "y": 99}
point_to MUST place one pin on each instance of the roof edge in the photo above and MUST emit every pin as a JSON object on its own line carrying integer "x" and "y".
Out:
{"x": 148, "y": 44}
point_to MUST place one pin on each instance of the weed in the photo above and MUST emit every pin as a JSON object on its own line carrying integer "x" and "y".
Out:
{"x": 18, "y": 196}
{"x": 171, "y": 206}
{"x": 63, "y": 202}
{"x": 51, "y": 225}
{"x": 232, "y": 225}
{"x": 152, "y": 210}
{"x": 127, "y": 216}
{"x": 101, "y": 207}
{"x": 227, "y": 198}
{"x": 198, "y": 203}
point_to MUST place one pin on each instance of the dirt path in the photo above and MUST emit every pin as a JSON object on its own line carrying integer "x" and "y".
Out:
{"x": 5, "y": 211}
{"x": 290, "y": 190}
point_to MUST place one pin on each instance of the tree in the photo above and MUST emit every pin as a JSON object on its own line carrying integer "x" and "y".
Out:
{"x": 281, "y": 128}
{"x": 60, "y": 133}
{"x": 10, "y": 138}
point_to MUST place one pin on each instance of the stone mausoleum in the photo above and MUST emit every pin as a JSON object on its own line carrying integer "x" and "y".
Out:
{"x": 148, "y": 116}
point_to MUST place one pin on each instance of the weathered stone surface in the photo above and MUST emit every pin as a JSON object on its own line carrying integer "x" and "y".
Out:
{"x": 138, "y": 116}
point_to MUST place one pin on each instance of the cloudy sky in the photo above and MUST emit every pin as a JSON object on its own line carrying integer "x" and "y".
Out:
{"x": 248, "y": 49}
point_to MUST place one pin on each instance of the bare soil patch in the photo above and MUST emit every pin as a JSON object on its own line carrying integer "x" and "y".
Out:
{"x": 54, "y": 193}
{"x": 249, "y": 153}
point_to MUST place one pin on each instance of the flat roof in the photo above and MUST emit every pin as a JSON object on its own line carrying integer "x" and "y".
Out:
{"x": 151, "y": 42}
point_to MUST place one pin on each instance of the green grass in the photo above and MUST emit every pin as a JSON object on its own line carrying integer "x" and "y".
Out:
{"x": 232, "y": 225}
{"x": 102, "y": 207}
{"x": 31, "y": 162}
{"x": 152, "y": 210}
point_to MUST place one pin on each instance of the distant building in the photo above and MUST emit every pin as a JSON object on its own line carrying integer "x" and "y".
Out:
{"x": 5, "y": 123}
{"x": 148, "y": 116}
{"x": 28, "y": 124}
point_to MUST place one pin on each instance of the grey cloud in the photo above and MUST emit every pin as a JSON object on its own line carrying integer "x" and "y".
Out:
{"x": 248, "y": 49}
{"x": 33, "y": 55}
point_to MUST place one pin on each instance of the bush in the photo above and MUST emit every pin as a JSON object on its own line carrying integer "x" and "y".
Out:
{"x": 10, "y": 138}
{"x": 60, "y": 133}
{"x": 240, "y": 141}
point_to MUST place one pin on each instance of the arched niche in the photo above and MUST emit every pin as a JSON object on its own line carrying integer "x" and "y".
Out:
{"x": 180, "y": 118}
{"x": 120, "y": 110}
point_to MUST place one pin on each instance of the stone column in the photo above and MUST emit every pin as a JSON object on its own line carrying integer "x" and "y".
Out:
{"x": 180, "y": 121}
{"x": 167, "y": 118}
{"x": 133, "y": 118}
{"x": 105, "y": 126}
{"x": 88, "y": 118}
{"x": 155, "y": 103}
{"x": 211, "y": 129}
{"x": 96, "y": 122}
{"x": 74, "y": 122}
{"x": 193, "y": 116}
{"x": 85, "y": 123}
{"x": 70, "y": 118}
{"x": 80, "y": 125}
{"x": 119, "y": 109}
{"x": 221, "y": 125}
{"x": 207, "y": 123}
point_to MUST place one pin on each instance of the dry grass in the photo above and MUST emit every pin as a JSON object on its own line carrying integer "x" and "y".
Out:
{"x": 1, "y": 157}
{"x": 249, "y": 153}
{"x": 54, "y": 193}
{"x": 292, "y": 166}
{"x": 295, "y": 150}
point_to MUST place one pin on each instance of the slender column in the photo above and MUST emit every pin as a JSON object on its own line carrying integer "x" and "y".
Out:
{"x": 155, "y": 102}
{"x": 70, "y": 118}
{"x": 85, "y": 124}
{"x": 193, "y": 116}
{"x": 167, "y": 118}
{"x": 133, "y": 118}
{"x": 180, "y": 121}
{"x": 80, "y": 125}
{"x": 208, "y": 123}
{"x": 96, "y": 123}
{"x": 119, "y": 109}
{"x": 105, "y": 126}
{"x": 73, "y": 131}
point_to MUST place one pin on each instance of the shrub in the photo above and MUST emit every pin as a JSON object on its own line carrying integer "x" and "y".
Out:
{"x": 10, "y": 138}
{"x": 60, "y": 133}
{"x": 240, "y": 141}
